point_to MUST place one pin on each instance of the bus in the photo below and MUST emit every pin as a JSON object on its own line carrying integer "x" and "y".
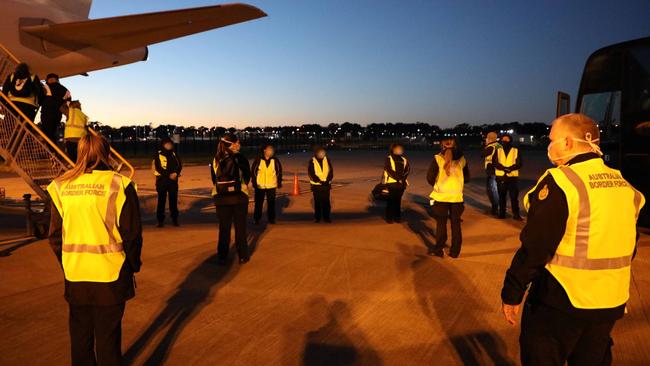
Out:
{"x": 615, "y": 92}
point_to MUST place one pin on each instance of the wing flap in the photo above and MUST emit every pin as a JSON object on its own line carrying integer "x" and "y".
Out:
{"x": 119, "y": 34}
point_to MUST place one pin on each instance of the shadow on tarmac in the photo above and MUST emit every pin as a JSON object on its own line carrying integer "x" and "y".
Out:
{"x": 15, "y": 244}
{"x": 197, "y": 290}
{"x": 448, "y": 301}
{"x": 339, "y": 341}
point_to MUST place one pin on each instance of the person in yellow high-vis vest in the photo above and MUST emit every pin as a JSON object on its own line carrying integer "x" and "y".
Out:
{"x": 24, "y": 89}
{"x": 396, "y": 172}
{"x": 321, "y": 173}
{"x": 230, "y": 177}
{"x": 76, "y": 126}
{"x": 266, "y": 176}
{"x": 507, "y": 162}
{"x": 489, "y": 153}
{"x": 447, "y": 174}
{"x": 167, "y": 169}
{"x": 96, "y": 234}
{"x": 576, "y": 252}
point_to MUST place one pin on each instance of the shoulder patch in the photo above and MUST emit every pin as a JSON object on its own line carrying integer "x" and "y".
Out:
{"x": 543, "y": 193}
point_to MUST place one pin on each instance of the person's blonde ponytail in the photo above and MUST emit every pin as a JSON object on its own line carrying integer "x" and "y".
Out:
{"x": 91, "y": 152}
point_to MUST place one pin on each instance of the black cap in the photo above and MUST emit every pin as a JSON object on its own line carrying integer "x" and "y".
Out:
{"x": 52, "y": 75}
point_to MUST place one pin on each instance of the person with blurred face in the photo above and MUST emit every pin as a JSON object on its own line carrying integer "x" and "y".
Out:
{"x": 506, "y": 169}
{"x": 56, "y": 95}
{"x": 321, "y": 173}
{"x": 230, "y": 177}
{"x": 488, "y": 153}
{"x": 167, "y": 168}
{"x": 576, "y": 252}
{"x": 447, "y": 174}
{"x": 24, "y": 89}
{"x": 396, "y": 171}
{"x": 266, "y": 174}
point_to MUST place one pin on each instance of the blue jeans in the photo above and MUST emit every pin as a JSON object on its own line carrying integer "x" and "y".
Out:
{"x": 492, "y": 192}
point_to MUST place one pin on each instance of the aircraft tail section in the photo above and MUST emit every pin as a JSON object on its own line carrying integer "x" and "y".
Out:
{"x": 79, "y": 8}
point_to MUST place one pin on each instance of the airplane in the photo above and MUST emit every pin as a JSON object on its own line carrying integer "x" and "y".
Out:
{"x": 58, "y": 36}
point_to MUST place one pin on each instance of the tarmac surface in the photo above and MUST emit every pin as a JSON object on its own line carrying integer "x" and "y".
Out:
{"x": 354, "y": 292}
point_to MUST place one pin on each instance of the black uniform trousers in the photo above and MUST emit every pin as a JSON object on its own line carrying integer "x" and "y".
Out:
{"x": 96, "y": 334}
{"x": 508, "y": 186}
{"x": 453, "y": 211}
{"x": 551, "y": 337}
{"x": 322, "y": 205}
{"x": 259, "y": 204}
{"x": 394, "y": 204}
{"x": 492, "y": 192}
{"x": 167, "y": 187}
{"x": 28, "y": 110}
{"x": 71, "y": 149}
{"x": 229, "y": 215}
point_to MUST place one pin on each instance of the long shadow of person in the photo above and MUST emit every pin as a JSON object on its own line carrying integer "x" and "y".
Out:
{"x": 450, "y": 303}
{"x": 417, "y": 223}
{"x": 339, "y": 341}
{"x": 196, "y": 290}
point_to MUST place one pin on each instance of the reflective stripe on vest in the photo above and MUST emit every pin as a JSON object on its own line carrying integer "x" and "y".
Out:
{"x": 388, "y": 178}
{"x": 592, "y": 261}
{"x": 449, "y": 187}
{"x": 75, "y": 126}
{"x": 90, "y": 206}
{"x": 507, "y": 161}
{"x": 266, "y": 175}
{"x": 322, "y": 172}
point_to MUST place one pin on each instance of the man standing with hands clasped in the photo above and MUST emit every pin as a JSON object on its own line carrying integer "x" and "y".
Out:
{"x": 576, "y": 252}
{"x": 167, "y": 168}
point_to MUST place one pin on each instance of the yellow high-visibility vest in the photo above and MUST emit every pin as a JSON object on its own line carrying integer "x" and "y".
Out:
{"x": 449, "y": 187}
{"x": 215, "y": 169}
{"x": 75, "y": 126}
{"x": 32, "y": 99}
{"x": 266, "y": 175}
{"x": 90, "y": 206}
{"x": 387, "y": 178}
{"x": 321, "y": 172}
{"x": 593, "y": 259}
{"x": 488, "y": 159}
{"x": 163, "y": 163}
{"x": 506, "y": 161}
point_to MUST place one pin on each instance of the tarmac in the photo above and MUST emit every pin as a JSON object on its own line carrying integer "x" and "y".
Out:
{"x": 355, "y": 292}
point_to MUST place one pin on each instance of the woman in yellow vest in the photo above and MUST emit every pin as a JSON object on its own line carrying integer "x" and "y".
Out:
{"x": 96, "y": 234}
{"x": 266, "y": 174}
{"x": 24, "y": 89}
{"x": 576, "y": 252}
{"x": 321, "y": 173}
{"x": 506, "y": 169}
{"x": 76, "y": 126}
{"x": 447, "y": 174}
{"x": 396, "y": 171}
{"x": 230, "y": 177}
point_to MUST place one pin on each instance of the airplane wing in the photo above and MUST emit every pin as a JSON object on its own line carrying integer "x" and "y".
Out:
{"x": 123, "y": 33}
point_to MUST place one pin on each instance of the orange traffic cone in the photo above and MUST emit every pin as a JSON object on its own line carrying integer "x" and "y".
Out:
{"x": 296, "y": 186}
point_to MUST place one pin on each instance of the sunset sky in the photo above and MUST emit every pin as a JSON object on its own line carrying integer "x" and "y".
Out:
{"x": 442, "y": 62}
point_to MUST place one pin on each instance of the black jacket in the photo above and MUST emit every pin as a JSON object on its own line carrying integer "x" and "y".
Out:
{"x": 326, "y": 184}
{"x": 30, "y": 88}
{"x": 173, "y": 163}
{"x": 51, "y": 104}
{"x": 401, "y": 172}
{"x": 540, "y": 238}
{"x": 111, "y": 293}
{"x": 432, "y": 173}
{"x": 256, "y": 165}
{"x": 232, "y": 166}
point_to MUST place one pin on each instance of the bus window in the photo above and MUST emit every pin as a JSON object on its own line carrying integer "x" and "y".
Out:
{"x": 605, "y": 109}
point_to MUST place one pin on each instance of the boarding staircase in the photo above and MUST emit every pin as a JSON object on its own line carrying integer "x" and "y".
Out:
{"x": 31, "y": 154}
